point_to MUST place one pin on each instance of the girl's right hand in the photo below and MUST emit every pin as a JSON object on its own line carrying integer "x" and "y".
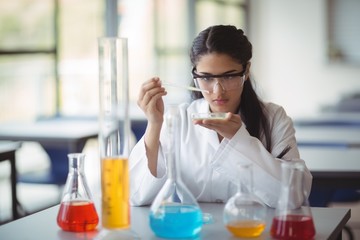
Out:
{"x": 150, "y": 100}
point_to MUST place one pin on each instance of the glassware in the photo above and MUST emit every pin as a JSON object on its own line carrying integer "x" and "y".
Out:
{"x": 293, "y": 218}
{"x": 114, "y": 137}
{"x": 174, "y": 212}
{"x": 77, "y": 211}
{"x": 209, "y": 115}
{"x": 244, "y": 214}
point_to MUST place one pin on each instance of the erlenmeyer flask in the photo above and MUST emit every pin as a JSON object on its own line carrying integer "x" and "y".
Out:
{"x": 244, "y": 213}
{"x": 174, "y": 212}
{"x": 77, "y": 211}
{"x": 293, "y": 218}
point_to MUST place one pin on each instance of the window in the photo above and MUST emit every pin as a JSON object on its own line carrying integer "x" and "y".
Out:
{"x": 27, "y": 58}
{"x": 48, "y": 49}
{"x": 48, "y": 58}
{"x": 226, "y": 12}
{"x": 343, "y": 31}
{"x": 177, "y": 22}
{"x": 81, "y": 22}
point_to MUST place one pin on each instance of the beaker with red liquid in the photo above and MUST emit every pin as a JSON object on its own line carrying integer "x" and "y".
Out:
{"x": 293, "y": 219}
{"x": 77, "y": 211}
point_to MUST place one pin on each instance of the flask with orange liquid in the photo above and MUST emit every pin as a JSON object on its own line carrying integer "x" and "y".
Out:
{"x": 293, "y": 219}
{"x": 244, "y": 214}
{"x": 77, "y": 211}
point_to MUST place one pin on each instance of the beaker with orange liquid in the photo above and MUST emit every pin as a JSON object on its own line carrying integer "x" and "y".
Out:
{"x": 77, "y": 211}
{"x": 244, "y": 213}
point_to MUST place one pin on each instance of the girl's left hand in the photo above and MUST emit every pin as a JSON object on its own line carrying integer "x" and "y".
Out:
{"x": 224, "y": 127}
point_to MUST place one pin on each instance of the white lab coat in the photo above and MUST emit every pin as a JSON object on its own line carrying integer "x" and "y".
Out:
{"x": 209, "y": 167}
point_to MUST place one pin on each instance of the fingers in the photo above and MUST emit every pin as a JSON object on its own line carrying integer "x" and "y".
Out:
{"x": 150, "y": 91}
{"x": 225, "y": 127}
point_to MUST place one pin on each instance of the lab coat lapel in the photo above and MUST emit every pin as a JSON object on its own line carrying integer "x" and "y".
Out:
{"x": 213, "y": 138}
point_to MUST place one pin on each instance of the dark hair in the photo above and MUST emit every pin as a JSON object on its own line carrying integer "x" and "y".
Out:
{"x": 232, "y": 41}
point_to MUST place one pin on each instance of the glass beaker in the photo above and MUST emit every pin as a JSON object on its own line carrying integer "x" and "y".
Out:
{"x": 244, "y": 213}
{"x": 174, "y": 212}
{"x": 77, "y": 211}
{"x": 114, "y": 138}
{"x": 293, "y": 218}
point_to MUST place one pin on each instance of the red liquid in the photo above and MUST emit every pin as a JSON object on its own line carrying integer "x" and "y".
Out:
{"x": 297, "y": 227}
{"x": 77, "y": 216}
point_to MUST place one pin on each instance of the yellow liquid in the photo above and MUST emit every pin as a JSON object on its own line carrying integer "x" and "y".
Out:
{"x": 247, "y": 228}
{"x": 115, "y": 193}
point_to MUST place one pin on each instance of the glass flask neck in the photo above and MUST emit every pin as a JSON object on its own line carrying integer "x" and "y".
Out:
{"x": 76, "y": 187}
{"x": 76, "y": 163}
{"x": 172, "y": 124}
{"x": 173, "y": 170}
{"x": 246, "y": 179}
{"x": 292, "y": 192}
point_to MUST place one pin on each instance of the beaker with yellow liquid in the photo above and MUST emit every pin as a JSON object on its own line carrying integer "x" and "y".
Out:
{"x": 114, "y": 138}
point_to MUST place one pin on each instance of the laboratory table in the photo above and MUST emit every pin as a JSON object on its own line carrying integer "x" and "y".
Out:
{"x": 328, "y": 136}
{"x": 59, "y": 133}
{"x": 330, "y": 146}
{"x": 58, "y": 137}
{"x": 329, "y": 223}
{"x": 334, "y": 167}
{"x": 329, "y": 130}
{"x": 7, "y": 153}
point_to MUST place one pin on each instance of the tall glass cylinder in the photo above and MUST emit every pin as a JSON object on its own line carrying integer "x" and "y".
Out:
{"x": 114, "y": 132}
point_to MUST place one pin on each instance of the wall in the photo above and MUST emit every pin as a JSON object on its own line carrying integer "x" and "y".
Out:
{"x": 289, "y": 63}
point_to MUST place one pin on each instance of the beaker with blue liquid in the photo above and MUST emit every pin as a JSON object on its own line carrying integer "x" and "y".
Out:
{"x": 175, "y": 212}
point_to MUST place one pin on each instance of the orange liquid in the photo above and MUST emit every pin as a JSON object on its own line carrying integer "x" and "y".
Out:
{"x": 115, "y": 193}
{"x": 78, "y": 216}
{"x": 246, "y": 228}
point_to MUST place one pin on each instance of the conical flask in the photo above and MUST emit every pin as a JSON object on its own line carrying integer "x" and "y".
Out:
{"x": 77, "y": 211}
{"x": 174, "y": 212}
{"x": 293, "y": 219}
{"x": 244, "y": 213}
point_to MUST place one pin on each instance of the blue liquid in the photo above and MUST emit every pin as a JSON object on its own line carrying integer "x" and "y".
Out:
{"x": 176, "y": 221}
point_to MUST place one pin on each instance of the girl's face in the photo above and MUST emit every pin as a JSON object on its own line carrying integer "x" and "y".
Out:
{"x": 220, "y": 98}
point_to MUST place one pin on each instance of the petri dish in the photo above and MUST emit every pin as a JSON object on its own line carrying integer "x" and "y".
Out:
{"x": 201, "y": 116}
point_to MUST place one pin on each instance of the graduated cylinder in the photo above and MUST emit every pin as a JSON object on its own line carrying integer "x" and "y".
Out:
{"x": 114, "y": 132}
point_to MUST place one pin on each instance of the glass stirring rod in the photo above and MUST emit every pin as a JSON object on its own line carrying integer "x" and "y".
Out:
{"x": 184, "y": 87}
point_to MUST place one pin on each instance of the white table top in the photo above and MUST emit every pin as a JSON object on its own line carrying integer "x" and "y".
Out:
{"x": 49, "y": 129}
{"x": 6, "y": 146}
{"x": 319, "y": 135}
{"x": 332, "y": 129}
{"x": 328, "y": 223}
{"x": 331, "y": 159}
